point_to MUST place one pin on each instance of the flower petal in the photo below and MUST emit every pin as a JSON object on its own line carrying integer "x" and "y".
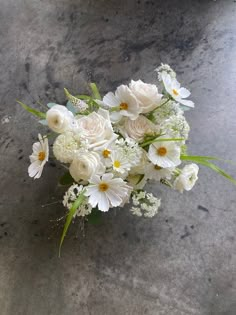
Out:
{"x": 184, "y": 93}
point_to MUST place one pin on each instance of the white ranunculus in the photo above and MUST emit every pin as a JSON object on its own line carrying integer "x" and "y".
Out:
{"x": 96, "y": 128}
{"x": 187, "y": 178}
{"x": 65, "y": 147}
{"x": 146, "y": 94}
{"x": 86, "y": 164}
{"x": 60, "y": 119}
{"x": 137, "y": 129}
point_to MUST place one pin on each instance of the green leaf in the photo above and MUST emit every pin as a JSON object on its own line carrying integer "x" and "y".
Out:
{"x": 95, "y": 91}
{"x": 66, "y": 179}
{"x": 204, "y": 160}
{"x": 198, "y": 157}
{"x": 95, "y": 216}
{"x": 50, "y": 105}
{"x": 43, "y": 122}
{"x": 69, "y": 218}
{"x": 70, "y": 107}
{"x": 32, "y": 111}
{"x": 83, "y": 97}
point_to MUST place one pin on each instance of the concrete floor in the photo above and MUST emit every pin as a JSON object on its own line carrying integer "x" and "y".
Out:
{"x": 184, "y": 260}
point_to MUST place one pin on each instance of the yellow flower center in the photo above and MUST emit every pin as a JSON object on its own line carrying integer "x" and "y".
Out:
{"x": 116, "y": 164}
{"x": 106, "y": 153}
{"x": 41, "y": 156}
{"x": 175, "y": 92}
{"x": 124, "y": 106}
{"x": 103, "y": 186}
{"x": 161, "y": 151}
{"x": 157, "y": 167}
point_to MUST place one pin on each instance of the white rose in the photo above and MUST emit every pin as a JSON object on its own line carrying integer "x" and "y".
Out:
{"x": 65, "y": 147}
{"x": 96, "y": 128}
{"x": 60, "y": 119}
{"x": 85, "y": 165}
{"x": 137, "y": 129}
{"x": 187, "y": 178}
{"x": 146, "y": 94}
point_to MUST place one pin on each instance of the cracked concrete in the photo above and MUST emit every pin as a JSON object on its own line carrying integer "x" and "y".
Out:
{"x": 184, "y": 260}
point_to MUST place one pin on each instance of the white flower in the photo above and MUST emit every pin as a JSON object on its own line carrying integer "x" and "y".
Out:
{"x": 122, "y": 103}
{"x": 86, "y": 164}
{"x": 120, "y": 161}
{"x": 96, "y": 128}
{"x": 65, "y": 147}
{"x": 165, "y": 68}
{"x": 138, "y": 128}
{"x": 39, "y": 157}
{"x": 157, "y": 173}
{"x": 60, "y": 119}
{"x": 164, "y": 153}
{"x": 176, "y": 127}
{"x": 106, "y": 191}
{"x": 178, "y": 93}
{"x": 187, "y": 178}
{"x": 129, "y": 150}
{"x": 164, "y": 112}
{"x": 145, "y": 204}
{"x": 71, "y": 195}
{"x": 146, "y": 94}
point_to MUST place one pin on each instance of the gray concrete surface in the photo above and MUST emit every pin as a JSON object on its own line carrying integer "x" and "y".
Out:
{"x": 184, "y": 260}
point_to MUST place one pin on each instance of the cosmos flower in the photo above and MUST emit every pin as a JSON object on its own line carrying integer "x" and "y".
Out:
{"x": 39, "y": 157}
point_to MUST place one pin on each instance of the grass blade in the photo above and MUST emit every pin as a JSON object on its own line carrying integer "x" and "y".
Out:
{"x": 32, "y": 110}
{"x": 69, "y": 217}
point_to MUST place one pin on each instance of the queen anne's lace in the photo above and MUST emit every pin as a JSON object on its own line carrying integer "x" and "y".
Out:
{"x": 145, "y": 204}
{"x": 71, "y": 195}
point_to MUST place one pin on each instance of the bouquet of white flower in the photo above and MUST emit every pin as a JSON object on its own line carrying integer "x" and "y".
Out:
{"x": 114, "y": 145}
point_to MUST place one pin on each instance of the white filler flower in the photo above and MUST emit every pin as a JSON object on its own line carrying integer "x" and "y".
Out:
{"x": 106, "y": 191}
{"x": 86, "y": 164}
{"x": 71, "y": 195}
{"x": 146, "y": 94}
{"x": 39, "y": 157}
{"x": 178, "y": 93}
{"x": 164, "y": 154}
{"x": 60, "y": 119}
{"x": 65, "y": 147}
{"x": 122, "y": 103}
{"x": 187, "y": 178}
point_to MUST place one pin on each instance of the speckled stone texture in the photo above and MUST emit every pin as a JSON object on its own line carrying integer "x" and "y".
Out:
{"x": 182, "y": 262}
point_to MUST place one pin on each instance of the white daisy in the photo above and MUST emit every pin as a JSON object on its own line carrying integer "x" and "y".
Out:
{"x": 122, "y": 103}
{"x": 157, "y": 173}
{"x": 39, "y": 157}
{"x": 164, "y": 154}
{"x": 173, "y": 88}
{"x": 106, "y": 191}
{"x": 120, "y": 161}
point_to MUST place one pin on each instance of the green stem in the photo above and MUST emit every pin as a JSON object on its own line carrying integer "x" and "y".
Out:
{"x": 70, "y": 215}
